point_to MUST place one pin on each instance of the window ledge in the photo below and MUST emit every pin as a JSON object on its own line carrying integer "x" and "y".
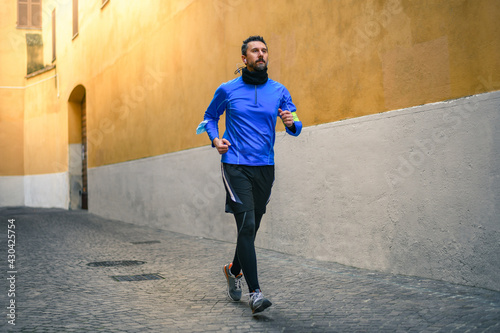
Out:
{"x": 29, "y": 28}
{"x": 40, "y": 71}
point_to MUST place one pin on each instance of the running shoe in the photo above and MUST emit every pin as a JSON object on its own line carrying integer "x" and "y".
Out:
{"x": 258, "y": 302}
{"x": 233, "y": 283}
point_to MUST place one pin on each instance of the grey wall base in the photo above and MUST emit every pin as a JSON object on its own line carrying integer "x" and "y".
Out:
{"x": 413, "y": 191}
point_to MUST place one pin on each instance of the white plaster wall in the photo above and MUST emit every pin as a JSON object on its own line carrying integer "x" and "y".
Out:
{"x": 412, "y": 191}
{"x": 47, "y": 190}
{"x": 181, "y": 192}
{"x": 11, "y": 191}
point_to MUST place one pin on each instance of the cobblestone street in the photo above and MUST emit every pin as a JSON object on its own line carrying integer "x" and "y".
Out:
{"x": 56, "y": 290}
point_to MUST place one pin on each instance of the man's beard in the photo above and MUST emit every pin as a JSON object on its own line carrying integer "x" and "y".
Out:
{"x": 259, "y": 66}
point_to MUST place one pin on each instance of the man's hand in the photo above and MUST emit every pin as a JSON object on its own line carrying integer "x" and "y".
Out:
{"x": 287, "y": 117}
{"x": 222, "y": 145}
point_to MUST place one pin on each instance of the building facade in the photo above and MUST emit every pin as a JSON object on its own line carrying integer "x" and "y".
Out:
{"x": 397, "y": 168}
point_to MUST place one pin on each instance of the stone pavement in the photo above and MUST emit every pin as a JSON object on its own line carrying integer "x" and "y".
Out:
{"x": 57, "y": 291}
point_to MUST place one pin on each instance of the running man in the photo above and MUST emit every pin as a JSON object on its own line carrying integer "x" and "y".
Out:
{"x": 252, "y": 103}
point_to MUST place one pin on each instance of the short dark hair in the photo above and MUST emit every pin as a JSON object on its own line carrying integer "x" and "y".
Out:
{"x": 244, "y": 47}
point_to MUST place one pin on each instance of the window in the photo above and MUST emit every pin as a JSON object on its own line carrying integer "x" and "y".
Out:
{"x": 75, "y": 18}
{"x": 53, "y": 35}
{"x": 29, "y": 14}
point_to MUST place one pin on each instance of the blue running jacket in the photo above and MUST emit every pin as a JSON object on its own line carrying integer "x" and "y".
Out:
{"x": 251, "y": 113}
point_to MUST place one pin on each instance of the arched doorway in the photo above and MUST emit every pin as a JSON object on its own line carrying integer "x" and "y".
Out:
{"x": 77, "y": 141}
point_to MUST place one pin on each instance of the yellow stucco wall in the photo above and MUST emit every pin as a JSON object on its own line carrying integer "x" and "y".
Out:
{"x": 12, "y": 71}
{"x": 11, "y": 132}
{"x": 45, "y": 125}
{"x": 150, "y": 68}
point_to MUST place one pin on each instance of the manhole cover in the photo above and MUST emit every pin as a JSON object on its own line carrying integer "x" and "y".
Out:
{"x": 147, "y": 242}
{"x": 116, "y": 263}
{"x": 142, "y": 277}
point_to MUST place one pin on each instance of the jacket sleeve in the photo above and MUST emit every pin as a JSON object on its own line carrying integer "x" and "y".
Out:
{"x": 214, "y": 111}
{"x": 287, "y": 104}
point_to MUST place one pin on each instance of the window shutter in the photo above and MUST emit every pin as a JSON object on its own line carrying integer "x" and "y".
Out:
{"x": 53, "y": 35}
{"x": 29, "y": 14}
{"x": 22, "y": 13}
{"x": 75, "y": 17}
{"x": 36, "y": 13}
